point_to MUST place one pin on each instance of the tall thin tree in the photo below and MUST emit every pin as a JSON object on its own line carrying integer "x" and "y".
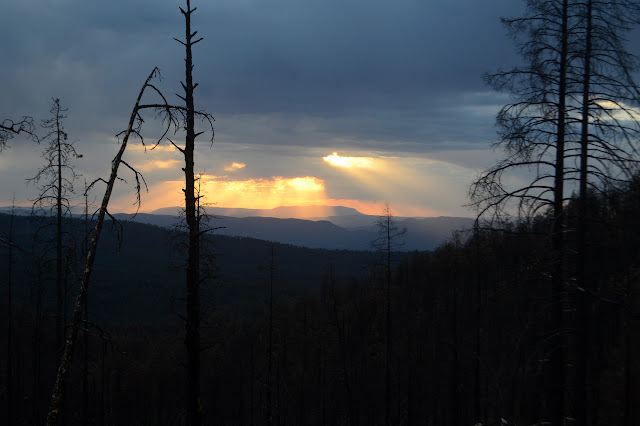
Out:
{"x": 390, "y": 236}
{"x": 55, "y": 184}
{"x": 192, "y": 218}
{"x": 608, "y": 148}
{"x": 533, "y": 131}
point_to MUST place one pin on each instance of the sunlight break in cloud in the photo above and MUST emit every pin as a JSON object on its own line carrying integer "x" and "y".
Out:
{"x": 620, "y": 111}
{"x": 234, "y": 166}
{"x": 260, "y": 193}
{"x": 266, "y": 193}
{"x": 348, "y": 162}
{"x": 150, "y": 165}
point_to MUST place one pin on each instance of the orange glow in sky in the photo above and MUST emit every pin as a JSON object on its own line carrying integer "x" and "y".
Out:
{"x": 378, "y": 177}
{"x": 251, "y": 193}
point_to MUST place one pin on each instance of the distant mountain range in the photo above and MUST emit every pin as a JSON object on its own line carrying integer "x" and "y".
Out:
{"x": 326, "y": 227}
{"x": 340, "y": 228}
{"x": 284, "y": 212}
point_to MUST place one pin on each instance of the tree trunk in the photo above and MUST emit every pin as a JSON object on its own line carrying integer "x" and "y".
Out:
{"x": 558, "y": 355}
{"x": 10, "y": 348}
{"x": 76, "y": 318}
{"x": 269, "y": 414}
{"x": 192, "y": 338}
{"x": 342, "y": 345}
{"x": 388, "y": 326}
{"x": 59, "y": 284}
{"x": 582, "y": 306}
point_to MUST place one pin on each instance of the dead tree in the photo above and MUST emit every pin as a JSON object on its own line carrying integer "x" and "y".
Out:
{"x": 174, "y": 117}
{"x": 572, "y": 125}
{"x": 170, "y": 118}
{"x": 607, "y": 152}
{"x": 389, "y": 239}
{"x": 10, "y": 128}
{"x": 193, "y": 221}
{"x": 533, "y": 131}
{"x": 55, "y": 184}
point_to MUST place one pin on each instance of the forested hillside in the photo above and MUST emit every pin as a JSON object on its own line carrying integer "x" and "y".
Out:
{"x": 348, "y": 232}
{"x": 139, "y": 268}
{"x": 470, "y": 327}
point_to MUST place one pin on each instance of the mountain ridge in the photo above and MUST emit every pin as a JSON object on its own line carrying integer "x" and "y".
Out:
{"x": 281, "y": 212}
{"x": 344, "y": 229}
{"x": 349, "y": 232}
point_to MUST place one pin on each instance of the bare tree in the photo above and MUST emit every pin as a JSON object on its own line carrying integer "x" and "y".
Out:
{"x": 170, "y": 116}
{"x": 174, "y": 118}
{"x": 10, "y": 128}
{"x": 533, "y": 131}
{"x": 55, "y": 184}
{"x": 571, "y": 125}
{"x": 390, "y": 236}
{"x": 608, "y": 151}
{"x": 195, "y": 232}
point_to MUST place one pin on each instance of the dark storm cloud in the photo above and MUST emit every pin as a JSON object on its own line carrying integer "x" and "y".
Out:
{"x": 331, "y": 57}
{"x": 370, "y": 70}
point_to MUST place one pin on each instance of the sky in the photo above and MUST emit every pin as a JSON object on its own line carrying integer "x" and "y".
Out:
{"x": 351, "y": 102}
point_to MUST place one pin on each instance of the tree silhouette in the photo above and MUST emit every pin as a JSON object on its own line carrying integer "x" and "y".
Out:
{"x": 10, "y": 128}
{"x": 174, "y": 117}
{"x": 389, "y": 240}
{"x": 533, "y": 131}
{"x": 55, "y": 184}
{"x": 194, "y": 229}
{"x": 170, "y": 116}
{"x": 608, "y": 151}
{"x": 571, "y": 125}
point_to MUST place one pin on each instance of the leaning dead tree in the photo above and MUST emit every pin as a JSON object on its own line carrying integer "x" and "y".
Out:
{"x": 173, "y": 118}
{"x": 133, "y": 128}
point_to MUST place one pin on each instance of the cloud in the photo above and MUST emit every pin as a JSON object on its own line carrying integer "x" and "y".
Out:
{"x": 234, "y": 166}
{"x": 152, "y": 165}
{"x": 348, "y": 162}
{"x": 262, "y": 193}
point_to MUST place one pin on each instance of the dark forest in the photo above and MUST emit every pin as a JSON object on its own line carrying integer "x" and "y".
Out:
{"x": 470, "y": 326}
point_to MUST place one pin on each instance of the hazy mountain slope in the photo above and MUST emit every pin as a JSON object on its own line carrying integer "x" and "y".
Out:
{"x": 432, "y": 230}
{"x": 349, "y": 230}
{"x": 284, "y": 212}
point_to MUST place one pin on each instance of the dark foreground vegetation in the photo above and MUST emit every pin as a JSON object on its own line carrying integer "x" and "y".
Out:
{"x": 470, "y": 333}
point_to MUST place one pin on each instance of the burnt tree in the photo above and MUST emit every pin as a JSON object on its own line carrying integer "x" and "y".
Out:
{"x": 55, "y": 184}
